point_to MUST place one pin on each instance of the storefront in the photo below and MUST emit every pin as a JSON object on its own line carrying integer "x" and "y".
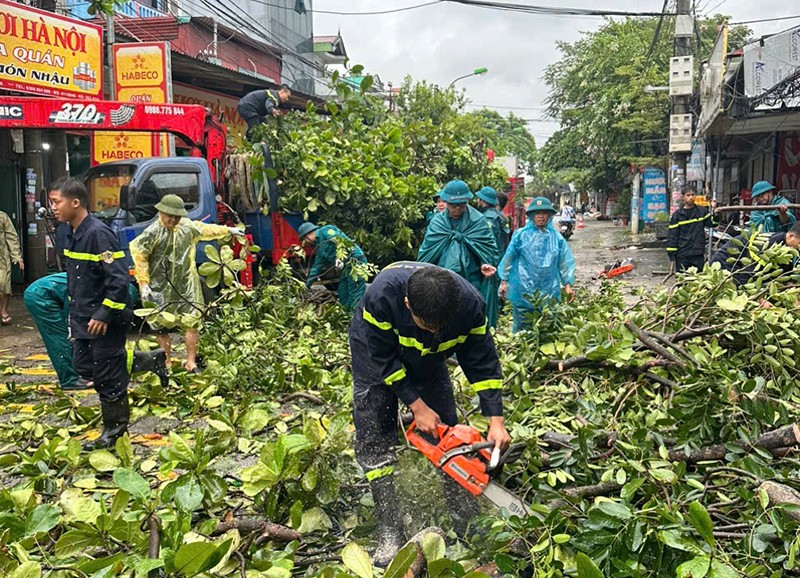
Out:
{"x": 41, "y": 54}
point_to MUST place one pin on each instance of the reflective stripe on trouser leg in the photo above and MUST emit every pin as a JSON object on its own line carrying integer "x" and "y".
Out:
{"x": 129, "y": 353}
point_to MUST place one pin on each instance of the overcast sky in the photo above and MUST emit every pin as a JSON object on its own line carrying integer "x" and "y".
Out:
{"x": 443, "y": 41}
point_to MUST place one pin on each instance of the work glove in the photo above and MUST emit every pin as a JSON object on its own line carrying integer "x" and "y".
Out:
{"x": 145, "y": 292}
{"x": 236, "y": 231}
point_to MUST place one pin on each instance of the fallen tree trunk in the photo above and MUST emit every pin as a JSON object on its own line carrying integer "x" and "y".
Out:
{"x": 266, "y": 529}
{"x": 418, "y": 566}
{"x": 580, "y": 492}
{"x": 779, "y": 494}
{"x": 775, "y": 442}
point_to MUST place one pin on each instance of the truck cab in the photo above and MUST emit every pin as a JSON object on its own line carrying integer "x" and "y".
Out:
{"x": 124, "y": 193}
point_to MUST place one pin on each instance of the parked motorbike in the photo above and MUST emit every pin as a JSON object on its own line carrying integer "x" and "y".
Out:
{"x": 566, "y": 229}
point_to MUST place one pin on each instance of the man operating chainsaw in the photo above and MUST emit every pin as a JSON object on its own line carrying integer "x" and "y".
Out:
{"x": 413, "y": 317}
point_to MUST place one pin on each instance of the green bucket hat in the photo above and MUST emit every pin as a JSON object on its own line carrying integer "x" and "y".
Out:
{"x": 456, "y": 193}
{"x": 540, "y": 204}
{"x": 306, "y": 228}
{"x": 172, "y": 205}
{"x": 762, "y": 187}
{"x": 488, "y": 194}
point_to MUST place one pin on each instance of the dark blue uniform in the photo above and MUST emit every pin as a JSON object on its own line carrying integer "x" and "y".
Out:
{"x": 686, "y": 241}
{"x": 394, "y": 359}
{"x": 254, "y": 107}
{"x": 97, "y": 283}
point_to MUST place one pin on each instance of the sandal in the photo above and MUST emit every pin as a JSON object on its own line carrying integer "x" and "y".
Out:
{"x": 6, "y": 320}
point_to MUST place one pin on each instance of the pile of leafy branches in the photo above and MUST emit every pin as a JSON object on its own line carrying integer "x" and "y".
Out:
{"x": 373, "y": 173}
{"x": 660, "y": 441}
{"x": 662, "y": 436}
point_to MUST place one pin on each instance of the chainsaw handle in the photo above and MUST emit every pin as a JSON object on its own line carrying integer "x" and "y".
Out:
{"x": 441, "y": 429}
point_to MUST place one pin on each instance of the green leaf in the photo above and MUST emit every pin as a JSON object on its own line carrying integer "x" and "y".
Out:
{"x": 208, "y": 268}
{"x": 212, "y": 253}
{"x": 701, "y": 520}
{"x": 79, "y": 508}
{"x": 402, "y": 562}
{"x": 695, "y": 568}
{"x": 196, "y": 557}
{"x": 180, "y": 449}
{"x": 77, "y": 542}
{"x": 42, "y": 518}
{"x": 738, "y": 303}
{"x": 433, "y": 547}
{"x": 188, "y": 493}
{"x": 615, "y": 510}
{"x": 314, "y": 520}
{"x": 357, "y": 560}
{"x": 128, "y": 480}
{"x": 675, "y": 539}
{"x": 124, "y": 450}
{"x": 587, "y": 568}
{"x": 722, "y": 570}
{"x": 27, "y": 570}
{"x": 103, "y": 461}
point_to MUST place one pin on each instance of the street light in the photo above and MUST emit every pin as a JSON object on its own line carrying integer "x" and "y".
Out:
{"x": 477, "y": 72}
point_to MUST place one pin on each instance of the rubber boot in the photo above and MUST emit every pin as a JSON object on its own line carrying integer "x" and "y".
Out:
{"x": 80, "y": 383}
{"x": 389, "y": 535}
{"x": 461, "y": 505}
{"x": 116, "y": 415}
{"x": 155, "y": 361}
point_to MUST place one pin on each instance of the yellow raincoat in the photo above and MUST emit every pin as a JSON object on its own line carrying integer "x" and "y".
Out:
{"x": 165, "y": 260}
{"x": 9, "y": 252}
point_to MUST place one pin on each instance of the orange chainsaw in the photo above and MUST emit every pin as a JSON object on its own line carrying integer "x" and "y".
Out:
{"x": 464, "y": 454}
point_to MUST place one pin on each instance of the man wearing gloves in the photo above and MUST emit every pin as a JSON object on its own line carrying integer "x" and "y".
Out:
{"x": 488, "y": 205}
{"x": 164, "y": 260}
{"x": 99, "y": 310}
{"x": 328, "y": 256}
{"x": 538, "y": 263}
{"x": 461, "y": 240}
{"x": 775, "y": 221}
{"x": 412, "y": 317}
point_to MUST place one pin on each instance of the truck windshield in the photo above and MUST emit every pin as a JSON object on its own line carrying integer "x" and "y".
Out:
{"x": 103, "y": 184}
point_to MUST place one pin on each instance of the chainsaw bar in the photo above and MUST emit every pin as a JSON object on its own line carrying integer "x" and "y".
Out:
{"x": 504, "y": 499}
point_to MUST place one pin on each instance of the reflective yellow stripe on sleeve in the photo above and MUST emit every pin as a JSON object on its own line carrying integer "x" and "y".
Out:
{"x": 385, "y": 325}
{"x": 91, "y": 257}
{"x": 113, "y": 304}
{"x": 396, "y": 376}
{"x": 373, "y": 475}
{"x": 672, "y": 248}
{"x": 479, "y": 330}
{"x": 81, "y": 256}
{"x": 688, "y": 222}
{"x": 488, "y": 384}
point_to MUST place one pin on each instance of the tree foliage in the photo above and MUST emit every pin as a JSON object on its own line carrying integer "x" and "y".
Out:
{"x": 372, "y": 173}
{"x": 597, "y": 91}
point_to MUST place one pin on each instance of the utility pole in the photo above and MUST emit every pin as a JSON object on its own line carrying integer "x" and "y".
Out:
{"x": 110, "y": 40}
{"x": 681, "y": 87}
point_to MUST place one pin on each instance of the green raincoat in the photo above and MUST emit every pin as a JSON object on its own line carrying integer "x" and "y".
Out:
{"x": 500, "y": 228}
{"x": 351, "y": 290}
{"x": 165, "y": 260}
{"x": 462, "y": 246}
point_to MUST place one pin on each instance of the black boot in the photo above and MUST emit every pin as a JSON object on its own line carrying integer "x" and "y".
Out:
{"x": 389, "y": 535}
{"x": 116, "y": 415}
{"x": 155, "y": 361}
{"x": 461, "y": 505}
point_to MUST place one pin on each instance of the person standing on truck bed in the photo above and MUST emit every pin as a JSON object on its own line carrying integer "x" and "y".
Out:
{"x": 329, "y": 256}
{"x": 164, "y": 260}
{"x": 254, "y": 107}
{"x": 99, "y": 310}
